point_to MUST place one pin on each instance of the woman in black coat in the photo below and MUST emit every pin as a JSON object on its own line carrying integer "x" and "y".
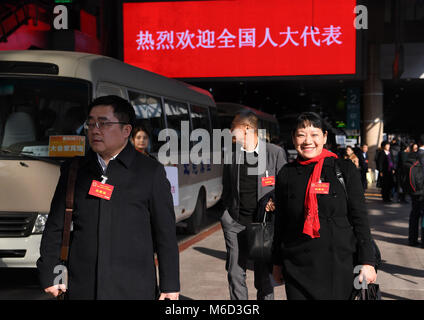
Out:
{"x": 318, "y": 229}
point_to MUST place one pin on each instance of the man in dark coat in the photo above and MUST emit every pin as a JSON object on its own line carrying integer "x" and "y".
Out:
{"x": 112, "y": 250}
{"x": 386, "y": 168}
{"x": 363, "y": 164}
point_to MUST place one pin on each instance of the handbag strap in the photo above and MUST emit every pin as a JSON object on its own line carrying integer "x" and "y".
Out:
{"x": 264, "y": 216}
{"x": 70, "y": 191}
{"x": 339, "y": 176}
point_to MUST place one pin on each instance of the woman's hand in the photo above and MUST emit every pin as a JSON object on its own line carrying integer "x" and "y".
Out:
{"x": 56, "y": 290}
{"x": 367, "y": 272}
{"x": 277, "y": 273}
{"x": 170, "y": 296}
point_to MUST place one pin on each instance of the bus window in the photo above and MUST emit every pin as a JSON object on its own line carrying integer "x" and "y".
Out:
{"x": 175, "y": 113}
{"x": 199, "y": 117}
{"x": 148, "y": 111}
{"x": 32, "y": 110}
{"x": 216, "y": 124}
{"x": 106, "y": 89}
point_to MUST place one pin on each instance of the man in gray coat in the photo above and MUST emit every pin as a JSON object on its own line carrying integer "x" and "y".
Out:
{"x": 249, "y": 179}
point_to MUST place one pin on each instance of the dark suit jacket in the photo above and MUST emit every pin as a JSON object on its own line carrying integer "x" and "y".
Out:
{"x": 275, "y": 160}
{"x": 323, "y": 266}
{"x": 363, "y": 161}
{"x": 383, "y": 163}
{"x": 111, "y": 251}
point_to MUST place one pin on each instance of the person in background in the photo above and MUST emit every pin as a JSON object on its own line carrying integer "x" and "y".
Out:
{"x": 401, "y": 172}
{"x": 319, "y": 225}
{"x": 386, "y": 169}
{"x": 340, "y": 151}
{"x": 414, "y": 147}
{"x": 417, "y": 211}
{"x": 363, "y": 164}
{"x": 351, "y": 156}
{"x": 140, "y": 138}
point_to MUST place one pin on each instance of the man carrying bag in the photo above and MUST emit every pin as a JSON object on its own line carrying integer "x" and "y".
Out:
{"x": 249, "y": 177}
{"x": 122, "y": 211}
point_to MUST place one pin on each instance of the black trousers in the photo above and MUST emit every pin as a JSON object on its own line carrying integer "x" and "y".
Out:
{"x": 364, "y": 179}
{"x": 387, "y": 185}
{"x": 236, "y": 263}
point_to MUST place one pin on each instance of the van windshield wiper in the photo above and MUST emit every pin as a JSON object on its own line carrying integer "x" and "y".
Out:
{"x": 27, "y": 154}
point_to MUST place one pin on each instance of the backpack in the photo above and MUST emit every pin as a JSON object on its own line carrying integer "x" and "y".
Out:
{"x": 414, "y": 175}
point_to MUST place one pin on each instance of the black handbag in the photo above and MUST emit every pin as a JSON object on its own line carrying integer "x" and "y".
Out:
{"x": 259, "y": 239}
{"x": 372, "y": 292}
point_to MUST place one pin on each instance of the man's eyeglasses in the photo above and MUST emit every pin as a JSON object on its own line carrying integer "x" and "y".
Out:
{"x": 89, "y": 125}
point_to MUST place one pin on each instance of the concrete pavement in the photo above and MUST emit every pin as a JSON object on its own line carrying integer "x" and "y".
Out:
{"x": 401, "y": 275}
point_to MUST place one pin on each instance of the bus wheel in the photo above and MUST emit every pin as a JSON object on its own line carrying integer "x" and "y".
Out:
{"x": 195, "y": 220}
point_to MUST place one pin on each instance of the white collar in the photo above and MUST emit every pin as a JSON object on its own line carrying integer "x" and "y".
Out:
{"x": 103, "y": 163}
{"x": 256, "y": 149}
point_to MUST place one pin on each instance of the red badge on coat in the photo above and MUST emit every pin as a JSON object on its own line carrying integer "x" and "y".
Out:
{"x": 101, "y": 190}
{"x": 268, "y": 181}
{"x": 320, "y": 187}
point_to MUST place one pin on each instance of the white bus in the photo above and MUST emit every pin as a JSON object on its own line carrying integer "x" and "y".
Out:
{"x": 44, "y": 94}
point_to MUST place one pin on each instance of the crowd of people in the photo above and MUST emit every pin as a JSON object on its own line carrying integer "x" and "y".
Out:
{"x": 393, "y": 161}
{"x": 397, "y": 180}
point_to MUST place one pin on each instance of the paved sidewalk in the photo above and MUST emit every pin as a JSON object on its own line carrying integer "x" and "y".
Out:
{"x": 203, "y": 275}
{"x": 402, "y": 273}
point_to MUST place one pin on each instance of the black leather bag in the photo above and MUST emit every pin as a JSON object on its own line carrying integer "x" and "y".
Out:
{"x": 372, "y": 292}
{"x": 259, "y": 238}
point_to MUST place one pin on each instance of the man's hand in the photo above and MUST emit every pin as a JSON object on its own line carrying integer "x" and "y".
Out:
{"x": 170, "y": 296}
{"x": 56, "y": 290}
{"x": 270, "y": 206}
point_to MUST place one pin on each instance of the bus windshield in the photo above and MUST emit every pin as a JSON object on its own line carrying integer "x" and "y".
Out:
{"x": 35, "y": 109}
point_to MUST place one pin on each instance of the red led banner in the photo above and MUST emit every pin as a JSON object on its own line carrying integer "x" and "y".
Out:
{"x": 241, "y": 38}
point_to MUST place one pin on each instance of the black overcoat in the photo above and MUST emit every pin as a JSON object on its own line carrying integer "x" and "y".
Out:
{"x": 112, "y": 251}
{"x": 323, "y": 266}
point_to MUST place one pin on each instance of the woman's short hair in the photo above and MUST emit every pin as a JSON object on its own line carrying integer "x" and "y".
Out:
{"x": 308, "y": 119}
{"x": 138, "y": 128}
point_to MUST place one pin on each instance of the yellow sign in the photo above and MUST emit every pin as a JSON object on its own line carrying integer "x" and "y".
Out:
{"x": 66, "y": 146}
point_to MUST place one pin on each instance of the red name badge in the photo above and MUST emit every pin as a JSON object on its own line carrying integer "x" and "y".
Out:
{"x": 320, "y": 188}
{"x": 101, "y": 190}
{"x": 268, "y": 181}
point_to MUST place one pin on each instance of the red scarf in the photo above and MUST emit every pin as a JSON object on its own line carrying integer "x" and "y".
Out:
{"x": 312, "y": 226}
